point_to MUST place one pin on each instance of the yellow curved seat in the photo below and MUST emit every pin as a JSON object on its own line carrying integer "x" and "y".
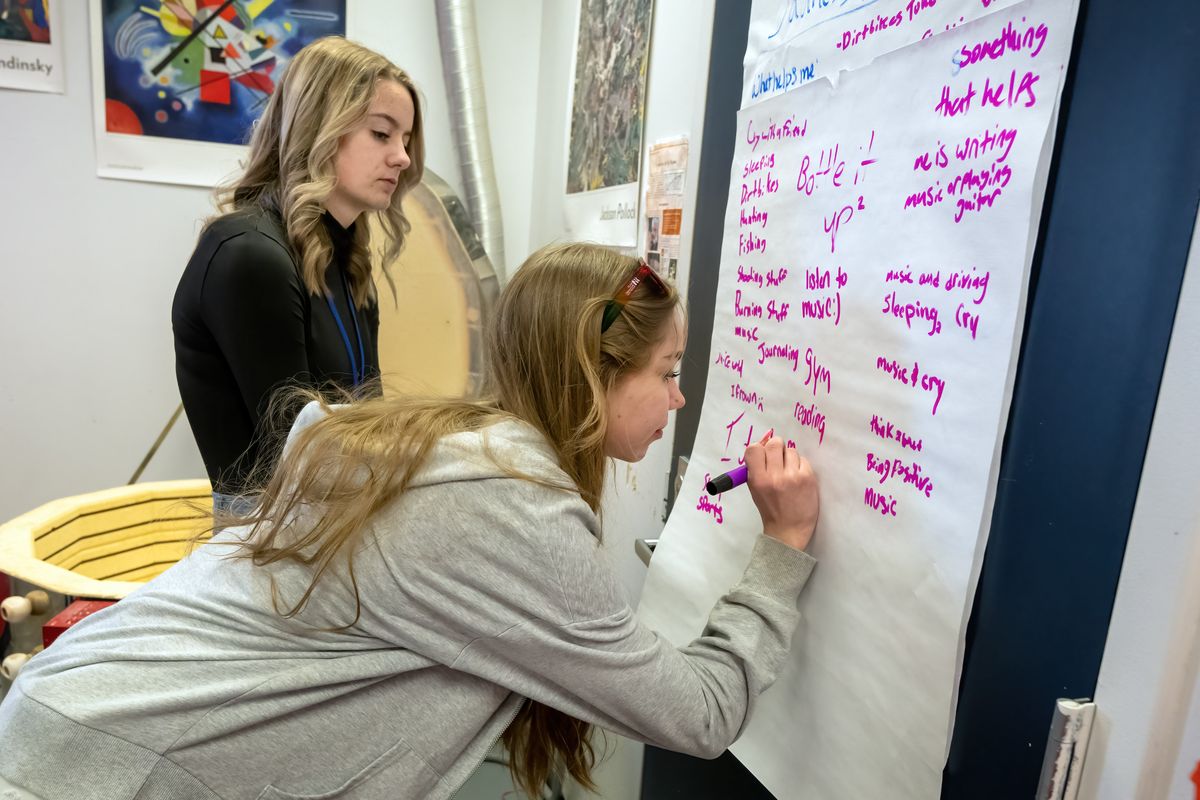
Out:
{"x": 106, "y": 544}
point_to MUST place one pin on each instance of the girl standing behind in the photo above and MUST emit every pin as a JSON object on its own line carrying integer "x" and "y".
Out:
{"x": 278, "y": 291}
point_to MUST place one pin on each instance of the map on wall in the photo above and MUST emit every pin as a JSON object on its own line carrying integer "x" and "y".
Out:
{"x": 608, "y": 108}
{"x": 194, "y": 71}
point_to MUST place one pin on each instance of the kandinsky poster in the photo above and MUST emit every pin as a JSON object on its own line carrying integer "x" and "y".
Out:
{"x": 178, "y": 84}
{"x": 31, "y": 45}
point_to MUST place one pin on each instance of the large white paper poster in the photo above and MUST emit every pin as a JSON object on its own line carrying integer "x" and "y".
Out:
{"x": 876, "y": 252}
{"x": 792, "y": 42}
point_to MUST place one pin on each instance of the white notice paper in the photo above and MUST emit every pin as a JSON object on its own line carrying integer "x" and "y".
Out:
{"x": 873, "y": 273}
{"x": 792, "y": 42}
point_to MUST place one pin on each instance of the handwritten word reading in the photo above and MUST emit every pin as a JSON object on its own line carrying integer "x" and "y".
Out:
{"x": 710, "y": 507}
{"x": 886, "y": 430}
{"x": 749, "y": 275}
{"x": 749, "y": 309}
{"x": 730, "y": 363}
{"x": 749, "y": 243}
{"x": 885, "y": 504}
{"x": 909, "y": 311}
{"x": 879, "y": 23}
{"x": 811, "y": 417}
{"x": 759, "y": 187}
{"x": 818, "y": 374}
{"x": 775, "y": 81}
{"x": 788, "y": 129}
{"x": 753, "y": 399}
{"x": 767, "y": 351}
{"x": 913, "y": 377}
{"x": 969, "y": 281}
{"x": 755, "y": 217}
{"x": 910, "y": 474}
{"x": 1010, "y": 39}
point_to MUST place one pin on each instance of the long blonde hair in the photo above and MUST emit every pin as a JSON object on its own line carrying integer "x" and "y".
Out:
{"x": 548, "y": 366}
{"x": 325, "y": 93}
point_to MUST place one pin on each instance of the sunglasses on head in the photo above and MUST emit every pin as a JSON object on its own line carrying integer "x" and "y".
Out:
{"x": 642, "y": 273}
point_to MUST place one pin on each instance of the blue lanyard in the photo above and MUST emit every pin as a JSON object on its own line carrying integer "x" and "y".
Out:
{"x": 357, "y": 376}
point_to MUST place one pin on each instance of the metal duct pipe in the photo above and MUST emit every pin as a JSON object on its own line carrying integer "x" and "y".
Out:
{"x": 468, "y": 119}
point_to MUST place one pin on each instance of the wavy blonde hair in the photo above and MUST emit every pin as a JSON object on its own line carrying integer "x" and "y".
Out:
{"x": 549, "y": 366}
{"x": 326, "y": 92}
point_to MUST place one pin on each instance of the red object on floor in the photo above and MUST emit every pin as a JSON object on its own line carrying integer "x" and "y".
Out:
{"x": 69, "y": 616}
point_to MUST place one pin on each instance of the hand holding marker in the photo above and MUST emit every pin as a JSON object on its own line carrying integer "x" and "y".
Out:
{"x": 735, "y": 477}
{"x": 783, "y": 487}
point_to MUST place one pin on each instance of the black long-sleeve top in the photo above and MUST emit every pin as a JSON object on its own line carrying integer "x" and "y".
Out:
{"x": 245, "y": 325}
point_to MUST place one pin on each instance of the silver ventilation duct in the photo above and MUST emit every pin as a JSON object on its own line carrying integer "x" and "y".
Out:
{"x": 468, "y": 120}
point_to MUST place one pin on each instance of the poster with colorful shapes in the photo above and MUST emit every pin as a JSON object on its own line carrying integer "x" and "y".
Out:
{"x": 179, "y": 83}
{"x": 31, "y": 45}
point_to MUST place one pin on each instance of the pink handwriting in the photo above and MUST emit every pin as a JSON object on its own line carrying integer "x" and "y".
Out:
{"x": 776, "y": 277}
{"x": 749, "y": 275}
{"x": 971, "y": 281}
{"x": 818, "y": 374}
{"x": 749, "y": 334}
{"x": 1008, "y": 40}
{"x": 909, "y": 474}
{"x": 760, "y": 187}
{"x": 885, "y": 504}
{"x": 774, "y": 132}
{"x": 753, "y": 399}
{"x": 899, "y": 275}
{"x": 811, "y": 417}
{"x": 755, "y": 217}
{"x": 710, "y": 507}
{"x": 1010, "y": 93}
{"x": 728, "y": 362}
{"x": 750, "y": 309}
{"x": 966, "y": 319}
{"x": 777, "y": 310}
{"x": 749, "y": 243}
{"x": 835, "y": 221}
{"x": 913, "y": 377}
{"x": 755, "y": 165}
{"x": 767, "y": 352}
{"x": 886, "y": 430}
{"x": 909, "y": 311}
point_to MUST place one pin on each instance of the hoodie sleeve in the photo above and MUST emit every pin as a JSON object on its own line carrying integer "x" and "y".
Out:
{"x": 523, "y": 591}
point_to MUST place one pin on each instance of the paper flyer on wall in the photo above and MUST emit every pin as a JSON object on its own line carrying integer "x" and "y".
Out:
{"x": 177, "y": 86}
{"x": 31, "y": 53}
{"x": 873, "y": 275}
{"x": 607, "y": 115}
{"x": 665, "y": 182}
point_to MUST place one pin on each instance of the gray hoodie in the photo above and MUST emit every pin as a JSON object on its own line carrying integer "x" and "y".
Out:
{"x": 478, "y": 590}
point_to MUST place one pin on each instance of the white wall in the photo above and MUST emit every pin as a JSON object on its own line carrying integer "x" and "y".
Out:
{"x": 90, "y": 265}
{"x": 1151, "y": 664}
{"x": 635, "y": 502}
